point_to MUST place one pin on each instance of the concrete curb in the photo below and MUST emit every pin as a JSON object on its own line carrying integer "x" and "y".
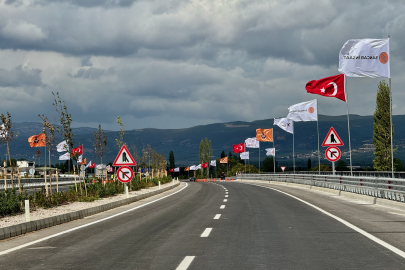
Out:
{"x": 26, "y": 227}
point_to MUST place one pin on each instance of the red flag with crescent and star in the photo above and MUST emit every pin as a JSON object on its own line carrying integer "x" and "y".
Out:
{"x": 77, "y": 150}
{"x": 204, "y": 165}
{"x": 171, "y": 170}
{"x": 333, "y": 86}
{"x": 239, "y": 148}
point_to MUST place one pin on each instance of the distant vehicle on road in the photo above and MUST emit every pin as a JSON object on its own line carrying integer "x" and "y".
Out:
{"x": 191, "y": 179}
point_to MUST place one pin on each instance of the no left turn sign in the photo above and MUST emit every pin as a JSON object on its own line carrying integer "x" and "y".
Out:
{"x": 333, "y": 154}
{"x": 125, "y": 174}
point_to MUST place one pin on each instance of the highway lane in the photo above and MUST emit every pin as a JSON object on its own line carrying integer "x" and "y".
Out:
{"x": 255, "y": 228}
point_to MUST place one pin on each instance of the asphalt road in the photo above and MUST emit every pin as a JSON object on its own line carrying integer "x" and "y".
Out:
{"x": 257, "y": 229}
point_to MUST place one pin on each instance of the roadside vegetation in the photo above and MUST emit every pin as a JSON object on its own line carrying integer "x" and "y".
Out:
{"x": 12, "y": 202}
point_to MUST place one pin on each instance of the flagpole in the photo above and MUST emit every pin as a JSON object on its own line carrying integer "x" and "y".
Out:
{"x": 293, "y": 150}
{"x": 274, "y": 159}
{"x": 317, "y": 130}
{"x": 392, "y": 145}
{"x": 348, "y": 126}
{"x": 259, "y": 157}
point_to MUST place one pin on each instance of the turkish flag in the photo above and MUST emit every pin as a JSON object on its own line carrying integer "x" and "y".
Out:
{"x": 204, "y": 165}
{"x": 77, "y": 150}
{"x": 239, "y": 148}
{"x": 92, "y": 165}
{"x": 171, "y": 170}
{"x": 333, "y": 86}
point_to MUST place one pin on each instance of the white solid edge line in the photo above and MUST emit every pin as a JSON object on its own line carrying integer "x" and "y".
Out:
{"x": 83, "y": 226}
{"x": 222, "y": 207}
{"x": 185, "y": 263}
{"x": 217, "y": 216}
{"x": 348, "y": 224}
{"x": 206, "y": 232}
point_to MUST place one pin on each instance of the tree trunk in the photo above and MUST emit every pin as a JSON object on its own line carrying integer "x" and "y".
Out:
{"x": 11, "y": 165}
{"x": 50, "y": 174}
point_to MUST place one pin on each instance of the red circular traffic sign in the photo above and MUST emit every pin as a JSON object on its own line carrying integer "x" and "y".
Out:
{"x": 333, "y": 153}
{"x": 125, "y": 174}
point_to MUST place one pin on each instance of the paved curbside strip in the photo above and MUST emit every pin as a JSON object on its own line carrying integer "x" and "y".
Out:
{"x": 22, "y": 228}
{"x": 360, "y": 197}
{"x": 392, "y": 204}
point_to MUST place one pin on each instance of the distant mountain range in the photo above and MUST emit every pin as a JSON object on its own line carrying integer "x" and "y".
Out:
{"x": 185, "y": 142}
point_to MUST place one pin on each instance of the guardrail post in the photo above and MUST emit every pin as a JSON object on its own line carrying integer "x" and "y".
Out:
{"x": 159, "y": 184}
{"x": 27, "y": 211}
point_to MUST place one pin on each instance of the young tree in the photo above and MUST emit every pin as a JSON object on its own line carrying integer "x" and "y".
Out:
{"x": 6, "y": 135}
{"x": 382, "y": 128}
{"x": 65, "y": 120}
{"x": 171, "y": 160}
{"x": 120, "y": 141}
{"x": 49, "y": 131}
{"x": 100, "y": 142}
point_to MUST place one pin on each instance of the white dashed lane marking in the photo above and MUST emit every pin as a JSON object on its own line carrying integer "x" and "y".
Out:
{"x": 207, "y": 232}
{"x": 185, "y": 263}
{"x": 217, "y": 216}
{"x": 222, "y": 207}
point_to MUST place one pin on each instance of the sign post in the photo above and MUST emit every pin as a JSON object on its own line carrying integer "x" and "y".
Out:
{"x": 124, "y": 173}
{"x": 333, "y": 154}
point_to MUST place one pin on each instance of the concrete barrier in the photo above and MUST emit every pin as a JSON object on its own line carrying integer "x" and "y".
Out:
{"x": 22, "y": 228}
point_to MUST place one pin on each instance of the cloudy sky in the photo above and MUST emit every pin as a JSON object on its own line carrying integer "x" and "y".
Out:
{"x": 178, "y": 63}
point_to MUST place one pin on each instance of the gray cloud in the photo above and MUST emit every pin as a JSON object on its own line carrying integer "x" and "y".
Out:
{"x": 180, "y": 63}
{"x": 20, "y": 76}
{"x": 92, "y": 73}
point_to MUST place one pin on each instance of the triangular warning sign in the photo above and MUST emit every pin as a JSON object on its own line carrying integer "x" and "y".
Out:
{"x": 332, "y": 139}
{"x": 124, "y": 158}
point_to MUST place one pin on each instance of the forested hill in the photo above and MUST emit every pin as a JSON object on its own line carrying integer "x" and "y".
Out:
{"x": 185, "y": 142}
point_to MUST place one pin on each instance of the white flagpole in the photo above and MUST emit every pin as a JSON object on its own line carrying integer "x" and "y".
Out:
{"x": 259, "y": 157}
{"x": 317, "y": 130}
{"x": 293, "y": 150}
{"x": 274, "y": 158}
{"x": 392, "y": 145}
{"x": 348, "y": 127}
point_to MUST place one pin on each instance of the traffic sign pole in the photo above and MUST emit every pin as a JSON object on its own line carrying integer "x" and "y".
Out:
{"x": 333, "y": 167}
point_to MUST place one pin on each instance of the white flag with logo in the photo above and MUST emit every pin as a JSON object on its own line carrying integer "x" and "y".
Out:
{"x": 365, "y": 58}
{"x": 65, "y": 156}
{"x": 62, "y": 147}
{"x": 109, "y": 168}
{"x": 177, "y": 169}
{"x": 192, "y": 168}
{"x": 285, "y": 124}
{"x": 99, "y": 166}
{"x": 271, "y": 152}
{"x": 213, "y": 163}
{"x": 244, "y": 155}
{"x": 198, "y": 167}
{"x": 304, "y": 111}
{"x": 80, "y": 159}
{"x": 251, "y": 143}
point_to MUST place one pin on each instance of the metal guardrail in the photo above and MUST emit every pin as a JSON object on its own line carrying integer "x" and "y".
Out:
{"x": 38, "y": 182}
{"x": 386, "y": 174}
{"x": 379, "y": 187}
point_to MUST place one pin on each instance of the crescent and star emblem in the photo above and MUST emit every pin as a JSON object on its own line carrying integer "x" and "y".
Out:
{"x": 335, "y": 89}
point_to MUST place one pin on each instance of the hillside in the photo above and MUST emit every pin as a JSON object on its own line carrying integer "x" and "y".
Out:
{"x": 185, "y": 142}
